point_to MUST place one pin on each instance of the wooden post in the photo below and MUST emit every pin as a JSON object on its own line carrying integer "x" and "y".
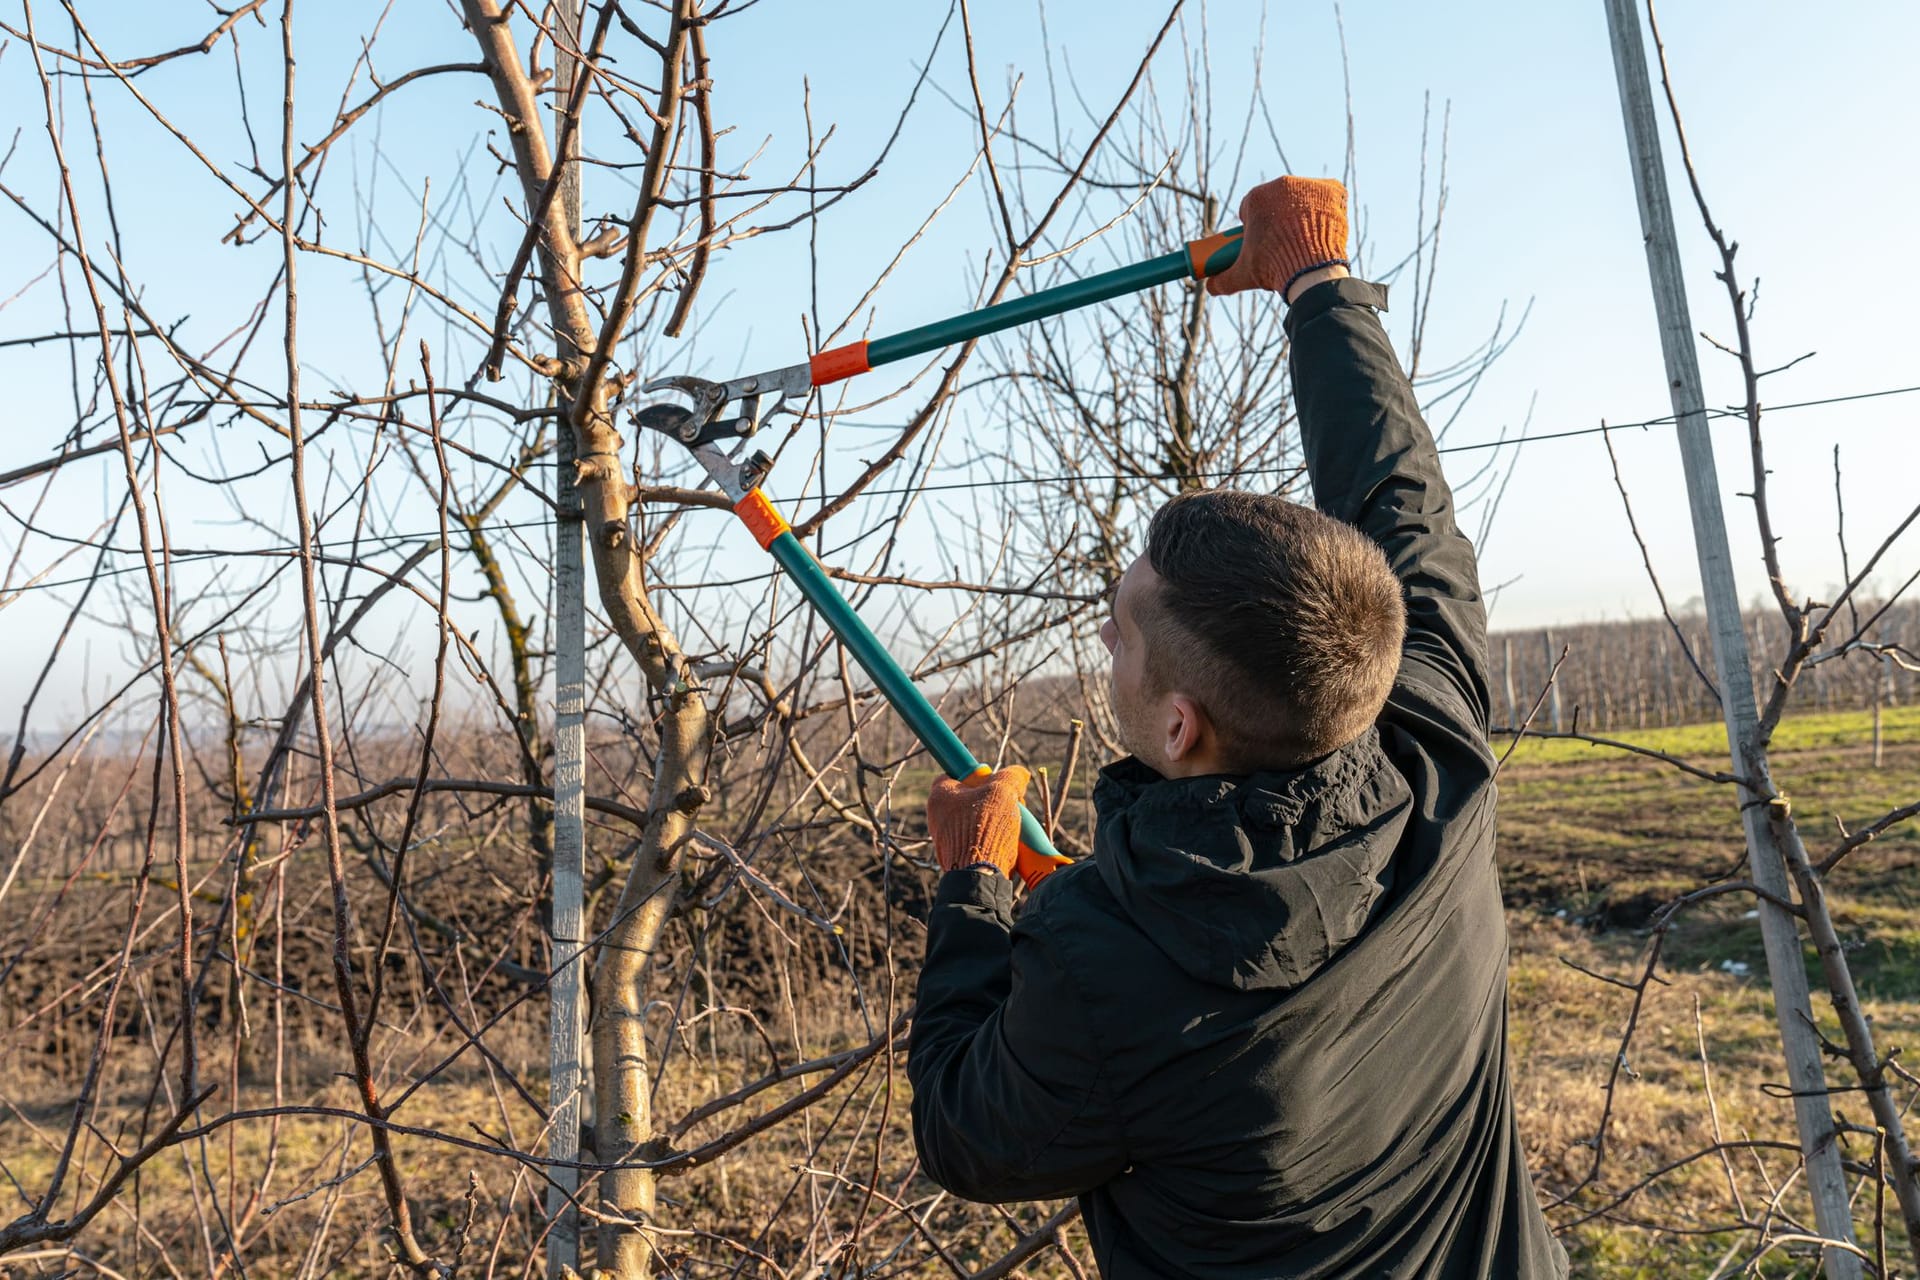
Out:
{"x": 1513, "y": 712}
{"x": 1826, "y": 1180}
{"x": 1602, "y": 679}
{"x": 569, "y": 613}
{"x": 1881, "y": 680}
{"x": 1642, "y": 685}
{"x": 1553, "y": 697}
{"x": 1668, "y": 713}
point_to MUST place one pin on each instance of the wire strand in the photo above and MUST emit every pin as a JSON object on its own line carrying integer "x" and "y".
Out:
{"x": 401, "y": 539}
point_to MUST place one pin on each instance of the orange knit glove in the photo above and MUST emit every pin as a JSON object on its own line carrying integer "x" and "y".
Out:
{"x": 1294, "y": 225}
{"x": 976, "y": 821}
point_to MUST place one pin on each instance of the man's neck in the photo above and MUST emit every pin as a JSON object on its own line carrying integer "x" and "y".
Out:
{"x": 1196, "y": 765}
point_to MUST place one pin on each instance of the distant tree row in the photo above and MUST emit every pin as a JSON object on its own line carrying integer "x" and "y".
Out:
{"x": 1638, "y": 675}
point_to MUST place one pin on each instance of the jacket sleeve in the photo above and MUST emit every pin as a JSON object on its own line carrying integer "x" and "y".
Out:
{"x": 1009, "y": 1099}
{"x": 1372, "y": 463}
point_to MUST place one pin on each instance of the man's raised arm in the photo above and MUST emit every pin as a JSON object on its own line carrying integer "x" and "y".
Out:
{"x": 1369, "y": 454}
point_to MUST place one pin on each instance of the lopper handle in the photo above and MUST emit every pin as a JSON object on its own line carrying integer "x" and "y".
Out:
{"x": 1207, "y": 256}
{"x": 1038, "y": 857}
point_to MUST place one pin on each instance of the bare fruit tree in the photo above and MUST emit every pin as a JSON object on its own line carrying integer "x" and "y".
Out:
{"x": 276, "y": 822}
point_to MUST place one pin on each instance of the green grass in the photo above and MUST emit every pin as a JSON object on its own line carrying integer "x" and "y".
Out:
{"x": 1620, "y": 1253}
{"x": 1796, "y": 733}
{"x": 1575, "y": 815}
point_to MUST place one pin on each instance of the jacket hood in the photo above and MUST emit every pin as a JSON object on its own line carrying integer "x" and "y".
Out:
{"x": 1255, "y": 882}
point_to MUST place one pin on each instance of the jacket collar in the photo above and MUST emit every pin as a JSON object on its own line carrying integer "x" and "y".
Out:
{"x": 1252, "y": 881}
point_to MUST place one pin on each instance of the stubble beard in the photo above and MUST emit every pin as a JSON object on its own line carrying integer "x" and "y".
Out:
{"x": 1135, "y": 735}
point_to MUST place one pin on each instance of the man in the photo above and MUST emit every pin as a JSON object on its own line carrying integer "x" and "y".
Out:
{"x": 1262, "y": 1031}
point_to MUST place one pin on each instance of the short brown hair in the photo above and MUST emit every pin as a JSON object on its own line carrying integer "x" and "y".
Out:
{"x": 1285, "y": 624}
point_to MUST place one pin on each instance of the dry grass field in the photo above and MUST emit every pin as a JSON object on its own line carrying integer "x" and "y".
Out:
{"x": 1592, "y": 843}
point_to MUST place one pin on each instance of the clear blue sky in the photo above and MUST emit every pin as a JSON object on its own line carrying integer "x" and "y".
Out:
{"x": 1802, "y": 124}
{"x": 1798, "y": 121}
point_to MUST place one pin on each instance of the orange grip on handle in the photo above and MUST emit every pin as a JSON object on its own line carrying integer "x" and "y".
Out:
{"x": 1198, "y": 251}
{"x": 839, "y": 362}
{"x": 757, "y": 513}
{"x": 1033, "y": 867}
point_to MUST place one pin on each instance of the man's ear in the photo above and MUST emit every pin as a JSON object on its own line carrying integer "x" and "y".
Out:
{"x": 1189, "y": 733}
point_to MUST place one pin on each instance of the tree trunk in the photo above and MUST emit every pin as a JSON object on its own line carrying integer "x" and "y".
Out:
{"x": 621, "y": 1060}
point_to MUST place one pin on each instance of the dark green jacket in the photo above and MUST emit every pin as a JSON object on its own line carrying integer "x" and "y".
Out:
{"x": 1262, "y": 1031}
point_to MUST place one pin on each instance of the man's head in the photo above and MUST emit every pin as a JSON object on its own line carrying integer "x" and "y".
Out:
{"x": 1254, "y": 633}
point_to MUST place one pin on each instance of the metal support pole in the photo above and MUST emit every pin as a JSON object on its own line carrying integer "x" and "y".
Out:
{"x": 1785, "y": 962}
{"x": 569, "y": 614}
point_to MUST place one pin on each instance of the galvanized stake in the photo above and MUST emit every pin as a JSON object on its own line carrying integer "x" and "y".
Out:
{"x": 1785, "y": 963}
{"x": 569, "y": 614}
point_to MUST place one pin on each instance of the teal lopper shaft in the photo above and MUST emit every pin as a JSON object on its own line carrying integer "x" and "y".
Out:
{"x": 1197, "y": 260}
{"x": 1210, "y": 257}
{"x": 905, "y": 696}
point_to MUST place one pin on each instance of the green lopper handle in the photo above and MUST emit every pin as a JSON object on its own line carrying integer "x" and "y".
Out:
{"x": 1199, "y": 259}
{"x": 904, "y": 695}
